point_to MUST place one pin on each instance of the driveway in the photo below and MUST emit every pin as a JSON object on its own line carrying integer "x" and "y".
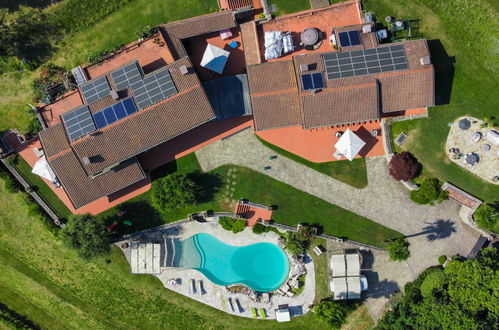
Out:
{"x": 432, "y": 230}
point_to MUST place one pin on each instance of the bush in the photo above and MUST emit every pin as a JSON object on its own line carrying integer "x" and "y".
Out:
{"x": 50, "y": 75}
{"x": 434, "y": 281}
{"x": 10, "y": 183}
{"x": 145, "y": 32}
{"x": 403, "y": 166}
{"x": 233, "y": 225}
{"x": 335, "y": 312}
{"x": 174, "y": 191}
{"x": 398, "y": 249}
{"x": 258, "y": 228}
{"x": 487, "y": 215}
{"x": 428, "y": 192}
{"x": 442, "y": 259}
{"x": 298, "y": 242}
{"x": 87, "y": 235}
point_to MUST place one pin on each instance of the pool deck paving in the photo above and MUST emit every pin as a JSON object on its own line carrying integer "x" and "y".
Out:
{"x": 214, "y": 295}
{"x": 431, "y": 230}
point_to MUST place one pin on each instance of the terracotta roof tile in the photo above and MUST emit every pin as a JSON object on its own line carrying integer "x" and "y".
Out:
{"x": 340, "y": 106}
{"x": 271, "y": 76}
{"x": 54, "y": 140}
{"x": 82, "y": 189}
{"x": 276, "y": 110}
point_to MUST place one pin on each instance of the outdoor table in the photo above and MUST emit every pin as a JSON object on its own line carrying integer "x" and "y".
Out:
{"x": 225, "y": 34}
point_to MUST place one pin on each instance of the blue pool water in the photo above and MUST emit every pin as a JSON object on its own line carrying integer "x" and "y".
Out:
{"x": 261, "y": 266}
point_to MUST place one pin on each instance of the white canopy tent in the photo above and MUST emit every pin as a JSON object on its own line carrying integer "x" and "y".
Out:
{"x": 353, "y": 264}
{"x": 145, "y": 258}
{"x": 42, "y": 168}
{"x": 338, "y": 285}
{"x": 282, "y": 315}
{"x": 353, "y": 283}
{"x": 338, "y": 265}
{"x": 349, "y": 144}
{"x": 215, "y": 58}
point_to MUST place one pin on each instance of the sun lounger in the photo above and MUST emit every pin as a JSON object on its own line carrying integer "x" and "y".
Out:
{"x": 201, "y": 287}
{"x": 263, "y": 313}
{"x": 239, "y": 307}
{"x": 231, "y": 306}
{"x": 193, "y": 287}
{"x": 253, "y": 311}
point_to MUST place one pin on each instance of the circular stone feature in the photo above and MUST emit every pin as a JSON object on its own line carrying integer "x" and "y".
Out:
{"x": 471, "y": 159}
{"x": 464, "y": 124}
{"x": 309, "y": 36}
{"x": 486, "y": 147}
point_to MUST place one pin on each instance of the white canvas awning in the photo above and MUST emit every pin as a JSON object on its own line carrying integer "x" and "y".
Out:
{"x": 339, "y": 286}
{"x": 349, "y": 144}
{"x": 145, "y": 258}
{"x": 353, "y": 264}
{"x": 282, "y": 315}
{"x": 338, "y": 265}
{"x": 353, "y": 283}
{"x": 42, "y": 168}
{"x": 215, "y": 58}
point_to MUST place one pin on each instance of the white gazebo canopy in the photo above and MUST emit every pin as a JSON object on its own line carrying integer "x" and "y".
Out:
{"x": 338, "y": 265}
{"x": 339, "y": 286}
{"x": 215, "y": 58}
{"x": 353, "y": 264}
{"x": 42, "y": 168}
{"x": 353, "y": 283}
{"x": 145, "y": 258}
{"x": 282, "y": 315}
{"x": 349, "y": 144}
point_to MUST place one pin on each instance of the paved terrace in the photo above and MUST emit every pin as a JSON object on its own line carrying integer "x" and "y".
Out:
{"x": 217, "y": 296}
{"x": 432, "y": 230}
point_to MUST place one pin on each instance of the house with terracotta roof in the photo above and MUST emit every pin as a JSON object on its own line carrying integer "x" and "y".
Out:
{"x": 154, "y": 95}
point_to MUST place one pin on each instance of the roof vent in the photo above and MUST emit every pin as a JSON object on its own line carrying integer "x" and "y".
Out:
{"x": 425, "y": 60}
{"x": 184, "y": 70}
{"x": 304, "y": 67}
{"x": 86, "y": 160}
{"x": 367, "y": 28}
{"x": 114, "y": 94}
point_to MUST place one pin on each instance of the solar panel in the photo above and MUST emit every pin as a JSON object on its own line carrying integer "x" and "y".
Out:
{"x": 127, "y": 75}
{"x": 114, "y": 113}
{"x": 78, "y": 122}
{"x": 363, "y": 62}
{"x": 312, "y": 81}
{"x": 95, "y": 90}
{"x": 349, "y": 38}
{"x": 153, "y": 89}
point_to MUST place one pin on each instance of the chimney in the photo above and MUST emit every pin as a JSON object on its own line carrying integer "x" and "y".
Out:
{"x": 86, "y": 160}
{"x": 425, "y": 60}
{"x": 303, "y": 67}
{"x": 367, "y": 28}
{"x": 114, "y": 94}
{"x": 184, "y": 70}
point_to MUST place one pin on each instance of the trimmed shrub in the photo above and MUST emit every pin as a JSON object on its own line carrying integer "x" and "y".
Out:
{"x": 403, "y": 166}
{"x": 442, "y": 259}
{"x": 258, "y": 228}
{"x": 87, "y": 235}
{"x": 174, "y": 191}
{"x": 398, "y": 249}
{"x": 428, "y": 193}
{"x": 233, "y": 225}
{"x": 487, "y": 216}
{"x": 335, "y": 312}
{"x": 238, "y": 226}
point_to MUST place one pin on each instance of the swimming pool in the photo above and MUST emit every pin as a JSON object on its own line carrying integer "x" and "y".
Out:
{"x": 261, "y": 266}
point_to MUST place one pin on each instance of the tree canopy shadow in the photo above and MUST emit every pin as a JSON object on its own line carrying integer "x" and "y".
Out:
{"x": 209, "y": 183}
{"x": 141, "y": 215}
{"x": 377, "y": 288}
{"x": 439, "y": 229}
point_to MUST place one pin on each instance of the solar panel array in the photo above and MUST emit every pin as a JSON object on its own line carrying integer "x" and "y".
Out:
{"x": 147, "y": 91}
{"x": 114, "y": 113}
{"x": 349, "y": 38}
{"x": 363, "y": 62}
{"x": 312, "y": 81}
{"x": 78, "y": 122}
{"x": 95, "y": 90}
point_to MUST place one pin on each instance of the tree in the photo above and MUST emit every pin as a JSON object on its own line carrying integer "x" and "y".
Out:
{"x": 334, "y": 312}
{"x": 298, "y": 242}
{"x": 398, "y": 249}
{"x": 462, "y": 296}
{"x": 428, "y": 192}
{"x": 403, "y": 166}
{"x": 487, "y": 216}
{"x": 174, "y": 191}
{"x": 233, "y": 225}
{"x": 87, "y": 235}
{"x": 258, "y": 228}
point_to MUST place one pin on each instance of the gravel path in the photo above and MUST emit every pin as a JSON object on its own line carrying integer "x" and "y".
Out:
{"x": 432, "y": 230}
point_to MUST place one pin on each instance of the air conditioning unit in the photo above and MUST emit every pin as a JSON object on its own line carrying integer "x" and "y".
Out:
{"x": 303, "y": 67}
{"x": 425, "y": 60}
{"x": 114, "y": 94}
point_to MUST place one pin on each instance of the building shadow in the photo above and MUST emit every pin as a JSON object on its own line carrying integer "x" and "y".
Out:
{"x": 439, "y": 229}
{"x": 159, "y": 63}
{"x": 377, "y": 288}
{"x": 444, "y": 71}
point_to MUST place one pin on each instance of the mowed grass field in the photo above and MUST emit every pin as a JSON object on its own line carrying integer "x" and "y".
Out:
{"x": 464, "y": 51}
{"x": 118, "y": 28}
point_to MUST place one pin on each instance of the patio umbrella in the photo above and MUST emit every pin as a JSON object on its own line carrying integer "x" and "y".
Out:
{"x": 471, "y": 159}
{"x": 42, "y": 168}
{"x": 349, "y": 144}
{"x": 215, "y": 58}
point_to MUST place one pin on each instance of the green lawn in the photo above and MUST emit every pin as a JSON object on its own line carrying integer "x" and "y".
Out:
{"x": 465, "y": 84}
{"x": 118, "y": 28}
{"x": 284, "y": 7}
{"x": 321, "y": 269}
{"x": 42, "y": 189}
{"x": 351, "y": 172}
{"x": 293, "y": 206}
